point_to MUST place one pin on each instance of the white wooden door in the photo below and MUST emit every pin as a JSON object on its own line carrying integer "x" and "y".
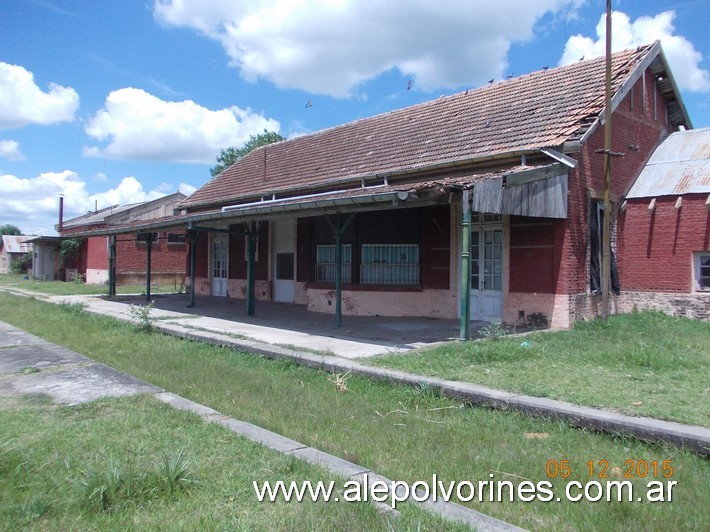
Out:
{"x": 487, "y": 274}
{"x": 220, "y": 265}
{"x": 284, "y": 260}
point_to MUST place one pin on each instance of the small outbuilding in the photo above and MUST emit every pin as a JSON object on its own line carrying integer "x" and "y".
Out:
{"x": 664, "y": 229}
{"x": 13, "y": 248}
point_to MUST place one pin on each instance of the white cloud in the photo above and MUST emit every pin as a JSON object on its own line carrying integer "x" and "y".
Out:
{"x": 33, "y": 203}
{"x": 10, "y": 150}
{"x": 22, "y": 102}
{"x": 140, "y": 126}
{"x": 333, "y": 47}
{"x": 684, "y": 59}
{"x": 187, "y": 189}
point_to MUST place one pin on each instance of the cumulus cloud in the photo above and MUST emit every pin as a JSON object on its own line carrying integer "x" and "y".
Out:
{"x": 684, "y": 59}
{"x": 332, "y": 48}
{"x": 139, "y": 126}
{"x": 22, "y": 102}
{"x": 32, "y": 203}
{"x": 10, "y": 150}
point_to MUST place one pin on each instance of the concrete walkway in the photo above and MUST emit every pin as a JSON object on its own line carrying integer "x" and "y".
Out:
{"x": 31, "y": 366}
{"x": 282, "y": 324}
{"x": 307, "y": 348}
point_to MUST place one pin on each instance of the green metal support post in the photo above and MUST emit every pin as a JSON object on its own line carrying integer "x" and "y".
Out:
{"x": 338, "y": 272}
{"x": 192, "y": 235}
{"x": 149, "y": 239}
{"x": 251, "y": 234}
{"x": 339, "y": 229}
{"x": 112, "y": 266}
{"x": 465, "y": 331}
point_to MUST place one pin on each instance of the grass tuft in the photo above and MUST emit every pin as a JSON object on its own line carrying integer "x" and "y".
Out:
{"x": 174, "y": 471}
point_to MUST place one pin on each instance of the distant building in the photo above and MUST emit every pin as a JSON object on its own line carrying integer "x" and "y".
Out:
{"x": 13, "y": 248}
{"x": 167, "y": 249}
{"x": 46, "y": 260}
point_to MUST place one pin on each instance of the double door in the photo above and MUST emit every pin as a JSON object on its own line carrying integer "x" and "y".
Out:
{"x": 486, "y": 273}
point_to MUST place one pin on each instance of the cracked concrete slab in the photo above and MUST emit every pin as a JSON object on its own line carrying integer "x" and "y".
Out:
{"x": 32, "y": 366}
{"x": 82, "y": 384}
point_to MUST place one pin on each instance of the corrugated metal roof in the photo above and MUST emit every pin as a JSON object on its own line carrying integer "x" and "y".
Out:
{"x": 96, "y": 217}
{"x": 680, "y": 165}
{"x": 16, "y": 244}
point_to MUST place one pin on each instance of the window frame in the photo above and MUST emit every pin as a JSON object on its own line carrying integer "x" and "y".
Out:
{"x": 698, "y": 266}
{"x": 377, "y": 269}
{"x": 346, "y": 276}
{"x": 182, "y": 240}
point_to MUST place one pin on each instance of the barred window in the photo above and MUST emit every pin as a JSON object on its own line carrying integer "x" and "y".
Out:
{"x": 176, "y": 238}
{"x": 390, "y": 264}
{"x": 326, "y": 266}
{"x": 142, "y": 238}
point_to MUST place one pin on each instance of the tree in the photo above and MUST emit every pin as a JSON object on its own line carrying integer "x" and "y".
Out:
{"x": 229, "y": 156}
{"x": 70, "y": 248}
{"x": 9, "y": 229}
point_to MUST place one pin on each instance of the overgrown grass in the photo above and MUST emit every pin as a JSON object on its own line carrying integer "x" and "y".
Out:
{"x": 404, "y": 433}
{"x": 136, "y": 464}
{"x": 643, "y": 363}
{"x": 61, "y": 288}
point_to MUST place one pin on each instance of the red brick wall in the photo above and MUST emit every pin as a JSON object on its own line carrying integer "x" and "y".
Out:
{"x": 656, "y": 248}
{"x": 165, "y": 258}
{"x": 95, "y": 253}
{"x": 201, "y": 255}
{"x": 636, "y": 131}
{"x": 237, "y": 253}
{"x": 532, "y": 255}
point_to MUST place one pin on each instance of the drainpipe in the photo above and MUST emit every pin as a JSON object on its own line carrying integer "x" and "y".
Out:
{"x": 465, "y": 330}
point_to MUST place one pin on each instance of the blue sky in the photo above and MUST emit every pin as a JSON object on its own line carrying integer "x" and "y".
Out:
{"x": 116, "y": 102}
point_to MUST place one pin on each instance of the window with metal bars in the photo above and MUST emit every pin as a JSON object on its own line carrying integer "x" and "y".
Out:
{"x": 177, "y": 238}
{"x": 390, "y": 264}
{"x": 326, "y": 265}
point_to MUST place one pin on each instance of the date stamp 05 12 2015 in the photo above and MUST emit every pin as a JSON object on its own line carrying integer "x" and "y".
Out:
{"x": 601, "y": 469}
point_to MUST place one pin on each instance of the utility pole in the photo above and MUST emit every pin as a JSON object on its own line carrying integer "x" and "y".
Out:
{"x": 606, "y": 231}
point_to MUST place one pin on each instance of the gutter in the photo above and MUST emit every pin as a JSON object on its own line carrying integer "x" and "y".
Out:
{"x": 252, "y": 212}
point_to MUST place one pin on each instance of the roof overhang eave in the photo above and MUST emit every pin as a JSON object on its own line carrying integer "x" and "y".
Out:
{"x": 368, "y": 178}
{"x": 320, "y": 206}
{"x": 655, "y": 54}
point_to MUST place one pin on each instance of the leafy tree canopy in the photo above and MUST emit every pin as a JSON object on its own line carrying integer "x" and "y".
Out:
{"x": 69, "y": 248}
{"x": 229, "y": 156}
{"x": 9, "y": 229}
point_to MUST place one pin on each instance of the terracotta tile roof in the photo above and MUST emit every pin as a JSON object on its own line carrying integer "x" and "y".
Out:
{"x": 542, "y": 109}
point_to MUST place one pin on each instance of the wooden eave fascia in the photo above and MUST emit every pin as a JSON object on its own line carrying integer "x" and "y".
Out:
{"x": 653, "y": 55}
{"x": 456, "y": 165}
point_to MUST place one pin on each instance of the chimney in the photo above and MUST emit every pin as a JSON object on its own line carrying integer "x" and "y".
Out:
{"x": 61, "y": 213}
